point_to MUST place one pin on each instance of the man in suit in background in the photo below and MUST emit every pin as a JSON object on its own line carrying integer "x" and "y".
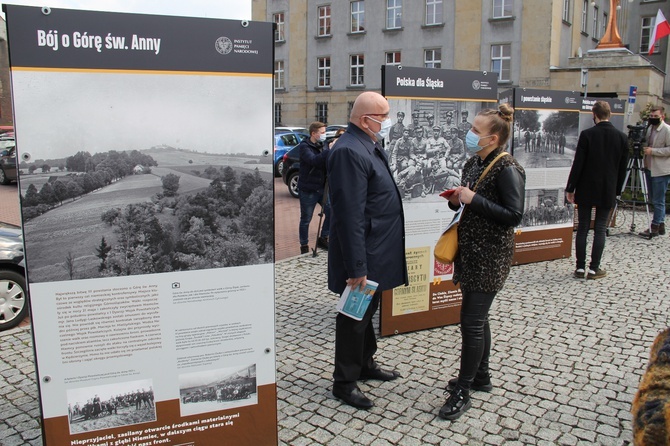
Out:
{"x": 367, "y": 240}
{"x": 596, "y": 178}
{"x": 657, "y": 161}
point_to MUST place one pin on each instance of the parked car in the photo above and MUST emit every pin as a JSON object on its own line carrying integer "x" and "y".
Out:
{"x": 283, "y": 143}
{"x": 13, "y": 293}
{"x": 294, "y": 129}
{"x": 332, "y": 129}
{"x": 8, "y": 171}
{"x": 291, "y": 171}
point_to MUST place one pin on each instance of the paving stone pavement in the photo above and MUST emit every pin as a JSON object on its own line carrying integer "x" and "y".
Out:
{"x": 567, "y": 358}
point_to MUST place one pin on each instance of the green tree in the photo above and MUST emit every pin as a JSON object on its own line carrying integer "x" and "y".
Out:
{"x": 47, "y": 195}
{"x": 31, "y": 197}
{"x": 256, "y": 218}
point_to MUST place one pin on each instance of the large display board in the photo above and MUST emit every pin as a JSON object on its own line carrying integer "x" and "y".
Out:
{"x": 546, "y": 130}
{"x": 148, "y": 224}
{"x": 433, "y": 109}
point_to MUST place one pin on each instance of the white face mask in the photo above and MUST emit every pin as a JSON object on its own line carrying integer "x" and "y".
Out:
{"x": 322, "y": 137}
{"x": 386, "y": 127}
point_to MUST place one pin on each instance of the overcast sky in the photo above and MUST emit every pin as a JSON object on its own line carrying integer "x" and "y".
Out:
{"x": 221, "y": 9}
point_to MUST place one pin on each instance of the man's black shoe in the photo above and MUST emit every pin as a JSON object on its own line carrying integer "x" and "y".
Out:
{"x": 478, "y": 385}
{"x": 353, "y": 398}
{"x": 322, "y": 242}
{"x": 304, "y": 249}
{"x": 380, "y": 374}
{"x": 456, "y": 405}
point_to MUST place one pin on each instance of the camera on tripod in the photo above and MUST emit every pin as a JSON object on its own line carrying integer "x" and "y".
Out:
{"x": 636, "y": 134}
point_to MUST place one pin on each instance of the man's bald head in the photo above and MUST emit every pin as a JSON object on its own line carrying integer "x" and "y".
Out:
{"x": 372, "y": 105}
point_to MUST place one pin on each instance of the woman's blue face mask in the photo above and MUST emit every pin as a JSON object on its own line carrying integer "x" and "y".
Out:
{"x": 472, "y": 141}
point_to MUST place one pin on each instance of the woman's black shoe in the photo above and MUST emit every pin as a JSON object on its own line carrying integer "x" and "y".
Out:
{"x": 456, "y": 405}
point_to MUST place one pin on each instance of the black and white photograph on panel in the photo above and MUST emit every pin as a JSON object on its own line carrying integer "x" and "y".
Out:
{"x": 110, "y": 405}
{"x": 219, "y": 389}
{"x": 426, "y": 145}
{"x": 545, "y": 138}
{"x": 147, "y": 173}
{"x": 546, "y": 208}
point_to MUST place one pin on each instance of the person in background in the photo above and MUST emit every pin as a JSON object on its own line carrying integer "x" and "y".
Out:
{"x": 596, "y": 178}
{"x": 485, "y": 246}
{"x": 657, "y": 161}
{"x": 312, "y": 183}
{"x": 367, "y": 240}
{"x": 338, "y": 133}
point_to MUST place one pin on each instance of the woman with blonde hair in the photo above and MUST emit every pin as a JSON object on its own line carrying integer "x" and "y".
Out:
{"x": 492, "y": 190}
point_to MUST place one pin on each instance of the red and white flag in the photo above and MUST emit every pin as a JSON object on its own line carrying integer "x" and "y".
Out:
{"x": 661, "y": 29}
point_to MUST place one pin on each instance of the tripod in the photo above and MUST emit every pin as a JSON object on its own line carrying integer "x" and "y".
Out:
{"x": 637, "y": 183}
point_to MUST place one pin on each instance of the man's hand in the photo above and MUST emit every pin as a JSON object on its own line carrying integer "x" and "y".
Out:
{"x": 357, "y": 282}
{"x": 647, "y": 150}
{"x": 570, "y": 196}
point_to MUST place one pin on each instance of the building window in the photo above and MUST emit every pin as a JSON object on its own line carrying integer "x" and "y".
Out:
{"x": 604, "y": 24}
{"x": 501, "y": 61}
{"x": 324, "y": 72}
{"x": 279, "y": 74}
{"x": 393, "y": 14}
{"x": 433, "y": 12}
{"x": 356, "y": 70}
{"x": 324, "y": 20}
{"x": 566, "y": 10}
{"x": 393, "y": 58}
{"x": 322, "y": 112}
{"x": 585, "y": 16}
{"x": 277, "y": 113}
{"x": 357, "y": 17}
{"x": 502, "y": 8}
{"x": 594, "y": 32}
{"x": 279, "y": 26}
{"x": 432, "y": 58}
{"x": 648, "y": 24}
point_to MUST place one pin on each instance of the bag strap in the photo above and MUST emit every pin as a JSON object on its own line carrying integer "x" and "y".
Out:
{"x": 500, "y": 155}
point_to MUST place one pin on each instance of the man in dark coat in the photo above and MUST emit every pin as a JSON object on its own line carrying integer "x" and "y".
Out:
{"x": 596, "y": 178}
{"x": 367, "y": 240}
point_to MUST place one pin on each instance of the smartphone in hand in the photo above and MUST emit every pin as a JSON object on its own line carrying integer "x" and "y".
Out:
{"x": 447, "y": 193}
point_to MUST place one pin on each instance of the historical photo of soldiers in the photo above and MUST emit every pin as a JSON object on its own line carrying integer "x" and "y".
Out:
{"x": 124, "y": 190}
{"x": 547, "y": 207}
{"x": 214, "y": 390}
{"x": 545, "y": 138}
{"x": 426, "y": 145}
{"x": 110, "y": 405}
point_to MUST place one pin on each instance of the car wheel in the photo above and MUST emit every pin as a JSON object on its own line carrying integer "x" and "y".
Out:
{"x": 293, "y": 184}
{"x": 3, "y": 178}
{"x": 13, "y": 299}
{"x": 279, "y": 168}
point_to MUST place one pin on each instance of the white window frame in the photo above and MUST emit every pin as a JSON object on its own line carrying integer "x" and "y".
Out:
{"x": 393, "y": 14}
{"x": 357, "y": 70}
{"x": 585, "y": 17}
{"x": 432, "y": 61}
{"x": 278, "y": 18}
{"x": 393, "y": 57}
{"x": 566, "y": 10}
{"x": 323, "y": 71}
{"x": 279, "y": 74}
{"x": 324, "y": 20}
{"x": 434, "y": 12}
{"x": 603, "y": 26}
{"x": 596, "y": 27}
{"x": 357, "y": 12}
{"x": 502, "y": 9}
{"x": 645, "y": 35}
{"x": 501, "y": 56}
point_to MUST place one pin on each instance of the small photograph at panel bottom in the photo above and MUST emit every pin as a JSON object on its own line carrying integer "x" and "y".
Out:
{"x": 111, "y": 405}
{"x": 219, "y": 389}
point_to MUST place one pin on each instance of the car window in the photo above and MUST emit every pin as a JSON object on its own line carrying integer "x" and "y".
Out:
{"x": 290, "y": 139}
